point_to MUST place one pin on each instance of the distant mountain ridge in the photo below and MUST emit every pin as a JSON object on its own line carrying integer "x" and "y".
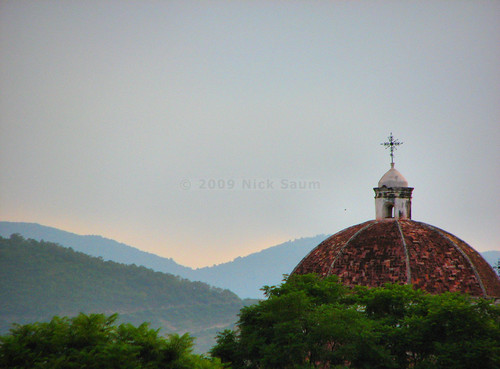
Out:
{"x": 244, "y": 275}
{"x": 247, "y": 275}
{"x": 94, "y": 245}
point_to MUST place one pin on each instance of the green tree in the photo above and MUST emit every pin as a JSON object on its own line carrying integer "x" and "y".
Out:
{"x": 496, "y": 267}
{"x": 94, "y": 341}
{"x": 309, "y": 322}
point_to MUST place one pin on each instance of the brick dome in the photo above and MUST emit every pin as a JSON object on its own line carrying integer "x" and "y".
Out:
{"x": 402, "y": 251}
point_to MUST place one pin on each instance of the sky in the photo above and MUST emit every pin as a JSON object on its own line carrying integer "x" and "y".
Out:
{"x": 182, "y": 127}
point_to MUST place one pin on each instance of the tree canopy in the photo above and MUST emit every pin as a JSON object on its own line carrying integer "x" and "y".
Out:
{"x": 308, "y": 322}
{"x": 95, "y": 341}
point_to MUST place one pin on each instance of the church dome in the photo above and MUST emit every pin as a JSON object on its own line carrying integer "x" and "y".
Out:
{"x": 402, "y": 251}
{"x": 395, "y": 249}
{"x": 392, "y": 178}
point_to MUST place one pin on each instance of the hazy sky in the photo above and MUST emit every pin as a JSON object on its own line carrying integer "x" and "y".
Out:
{"x": 119, "y": 118}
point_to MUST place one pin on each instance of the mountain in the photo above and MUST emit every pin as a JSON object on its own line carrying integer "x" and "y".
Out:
{"x": 247, "y": 275}
{"x": 492, "y": 257}
{"x": 41, "y": 279}
{"x": 244, "y": 275}
{"x": 94, "y": 246}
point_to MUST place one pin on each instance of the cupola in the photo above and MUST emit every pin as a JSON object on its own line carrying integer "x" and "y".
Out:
{"x": 392, "y": 196}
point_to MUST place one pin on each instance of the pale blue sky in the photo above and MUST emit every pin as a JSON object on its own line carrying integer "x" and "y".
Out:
{"x": 110, "y": 109}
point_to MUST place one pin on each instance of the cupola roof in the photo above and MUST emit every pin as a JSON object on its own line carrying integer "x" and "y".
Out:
{"x": 393, "y": 178}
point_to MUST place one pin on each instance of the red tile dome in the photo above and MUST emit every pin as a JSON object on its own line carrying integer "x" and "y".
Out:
{"x": 402, "y": 251}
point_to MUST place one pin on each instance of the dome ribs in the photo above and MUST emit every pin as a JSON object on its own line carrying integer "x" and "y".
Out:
{"x": 320, "y": 258}
{"x": 374, "y": 257}
{"x": 438, "y": 264}
{"x": 402, "y": 251}
{"x": 486, "y": 276}
{"x": 407, "y": 256}
{"x": 340, "y": 252}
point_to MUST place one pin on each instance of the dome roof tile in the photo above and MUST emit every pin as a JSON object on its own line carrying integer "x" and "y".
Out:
{"x": 402, "y": 251}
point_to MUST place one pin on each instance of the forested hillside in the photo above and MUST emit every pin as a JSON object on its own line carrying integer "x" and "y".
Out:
{"x": 245, "y": 276}
{"x": 40, "y": 279}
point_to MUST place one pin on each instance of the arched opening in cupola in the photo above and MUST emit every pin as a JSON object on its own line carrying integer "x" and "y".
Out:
{"x": 389, "y": 211}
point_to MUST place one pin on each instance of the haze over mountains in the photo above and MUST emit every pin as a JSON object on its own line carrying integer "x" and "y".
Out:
{"x": 245, "y": 276}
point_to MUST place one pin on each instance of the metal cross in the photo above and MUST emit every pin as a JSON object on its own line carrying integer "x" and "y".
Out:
{"x": 392, "y": 144}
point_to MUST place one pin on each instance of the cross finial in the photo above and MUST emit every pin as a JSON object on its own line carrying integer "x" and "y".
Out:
{"x": 392, "y": 144}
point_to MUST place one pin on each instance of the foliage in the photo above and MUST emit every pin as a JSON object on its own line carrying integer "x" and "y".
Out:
{"x": 309, "y": 322}
{"x": 94, "y": 341}
{"x": 496, "y": 267}
{"x": 40, "y": 279}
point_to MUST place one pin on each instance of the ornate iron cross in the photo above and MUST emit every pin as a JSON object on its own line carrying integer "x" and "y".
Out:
{"x": 392, "y": 145}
